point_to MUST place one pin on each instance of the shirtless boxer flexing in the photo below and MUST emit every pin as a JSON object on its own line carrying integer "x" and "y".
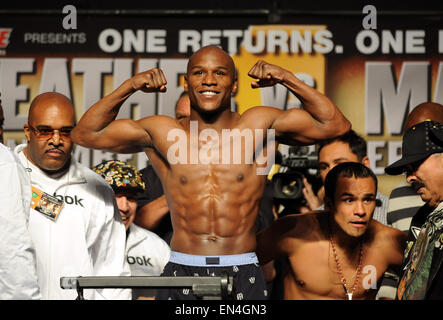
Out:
{"x": 213, "y": 202}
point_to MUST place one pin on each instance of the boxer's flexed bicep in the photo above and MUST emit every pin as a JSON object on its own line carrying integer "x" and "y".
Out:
{"x": 98, "y": 127}
{"x": 319, "y": 118}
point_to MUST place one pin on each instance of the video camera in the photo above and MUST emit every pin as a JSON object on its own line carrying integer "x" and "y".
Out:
{"x": 288, "y": 183}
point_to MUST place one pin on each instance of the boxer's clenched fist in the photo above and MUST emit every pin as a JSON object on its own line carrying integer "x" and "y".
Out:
{"x": 266, "y": 74}
{"x": 149, "y": 81}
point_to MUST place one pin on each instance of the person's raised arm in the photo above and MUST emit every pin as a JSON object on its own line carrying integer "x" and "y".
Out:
{"x": 319, "y": 119}
{"x": 98, "y": 128}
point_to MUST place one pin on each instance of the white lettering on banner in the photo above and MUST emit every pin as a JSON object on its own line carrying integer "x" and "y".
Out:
{"x": 232, "y": 36}
{"x": 388, "y": 98}
{"x": 90, "y": 157}
{"x": 438, "y": 92}
{"x": 382, "y": 154}
{"x": 83, "y": 155}
{"x": 367, "y": 41}
{"x": 409, "y": 41}
{"x": 270, "y": 41}
{"x": 396, "y": 102}
{"x": 11, "y": 143}
{"x": 392, "y": 42}
{"x": 211, "y": 38}
{"x": 304, "y": 42}
{"x": 277, "y": 39}
{"x": 370, "y": 35}
{"x": 260, "y": 41}
{"x": 156, "y": 41}
{"x": 394, "y": 151}
{"x": 172, "y": 68}
{"x": 98, "y": 156}
{"x": 93, "y": 70}
{"x": 133, "y": 43}
{"x": 55, "y": 76}
{"x": 12, "y": 91}
{"x": 142, "y": 160}
{"x": 123, "y": 69}
{"x": 188, "y": 39}
{"x": 323, "y": 43}
{"x": 374, "y": 156}
{"x": 54, "y": 38}
{"x": 150, "y": 41}
{"x": 109, "y": 46}
{"x": 415, "y": 41}
{"x": 277, "y": 96}
{"x": 146, "y": 102}
{"x": 124, "y": 157}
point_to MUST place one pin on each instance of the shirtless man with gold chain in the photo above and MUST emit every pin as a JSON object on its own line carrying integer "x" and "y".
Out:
{"x": 339, "y": 253}
{"x": 213, "y": 186}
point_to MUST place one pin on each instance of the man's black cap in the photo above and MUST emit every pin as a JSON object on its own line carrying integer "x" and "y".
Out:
{"x": 419, "y": 142}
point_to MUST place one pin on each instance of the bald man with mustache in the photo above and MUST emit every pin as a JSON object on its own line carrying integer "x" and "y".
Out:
{"x": 80, "y": 233}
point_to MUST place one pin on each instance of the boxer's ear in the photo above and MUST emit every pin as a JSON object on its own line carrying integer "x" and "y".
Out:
{"x": 234, "y": 87}
{"x": 185, "y": 84}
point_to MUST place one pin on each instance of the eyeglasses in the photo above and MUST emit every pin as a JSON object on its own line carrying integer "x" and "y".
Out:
{"x": 45, "y": 133}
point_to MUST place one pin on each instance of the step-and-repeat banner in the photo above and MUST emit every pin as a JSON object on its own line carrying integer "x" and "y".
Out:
{"x": 375, "y": 68}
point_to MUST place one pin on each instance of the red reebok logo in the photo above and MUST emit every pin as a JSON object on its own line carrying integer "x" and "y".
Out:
{"x": 5, "y": 33}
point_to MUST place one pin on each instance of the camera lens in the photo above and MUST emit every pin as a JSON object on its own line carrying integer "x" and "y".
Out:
{"x": 290, "y": 189}
{"x": 288, "y": 185}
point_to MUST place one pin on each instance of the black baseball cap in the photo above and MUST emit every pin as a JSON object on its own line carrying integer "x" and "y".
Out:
{"x": 419, "y": 142}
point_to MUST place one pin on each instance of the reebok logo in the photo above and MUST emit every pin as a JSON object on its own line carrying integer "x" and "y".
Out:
{"x": 143, "y": 261}
{"x": 70, "y": 200}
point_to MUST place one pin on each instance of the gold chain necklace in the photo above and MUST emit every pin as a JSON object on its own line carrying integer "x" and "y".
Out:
{"x": 340, "y": 272}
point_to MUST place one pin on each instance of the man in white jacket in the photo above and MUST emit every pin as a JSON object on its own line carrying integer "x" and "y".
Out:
{"x": 18, "y": 276}
{"x": 146, "y": 253}
{"x": 74, "y": 222}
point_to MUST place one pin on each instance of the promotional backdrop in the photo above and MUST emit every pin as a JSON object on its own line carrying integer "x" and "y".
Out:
{"x": 375, "y": 74}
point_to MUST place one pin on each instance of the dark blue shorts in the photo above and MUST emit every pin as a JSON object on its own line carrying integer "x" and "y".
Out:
{"x": 249, "y": 281}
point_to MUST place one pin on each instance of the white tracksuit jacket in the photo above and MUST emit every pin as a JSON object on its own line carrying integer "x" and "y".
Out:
{"x": 88, "y": 237}
{"x": 146, "y": 253}
{"x": 18, "y": 275}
